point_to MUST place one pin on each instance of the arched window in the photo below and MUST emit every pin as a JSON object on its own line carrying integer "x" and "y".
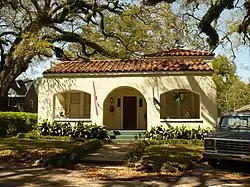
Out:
{"x": 180, "y": 104}
{"x": 74, "y": 104}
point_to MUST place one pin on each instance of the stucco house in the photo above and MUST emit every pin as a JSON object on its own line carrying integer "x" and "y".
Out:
{"x": 173, "y": 87}
{"x": 243, "y": 110}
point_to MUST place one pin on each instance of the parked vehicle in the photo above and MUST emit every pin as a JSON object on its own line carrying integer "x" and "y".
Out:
{"x": 230, "y": 141}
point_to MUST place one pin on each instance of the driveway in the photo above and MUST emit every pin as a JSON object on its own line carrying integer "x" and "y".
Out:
{"x": 105, "y": 176}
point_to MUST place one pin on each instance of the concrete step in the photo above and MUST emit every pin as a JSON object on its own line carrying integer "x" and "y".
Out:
{"x": 127, "y": 134}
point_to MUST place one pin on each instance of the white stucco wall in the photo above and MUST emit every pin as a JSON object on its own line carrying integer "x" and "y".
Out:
{"x": 200, "y": 83}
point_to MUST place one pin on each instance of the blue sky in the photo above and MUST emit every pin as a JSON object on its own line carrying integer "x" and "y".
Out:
{"x": 242, "y": 61}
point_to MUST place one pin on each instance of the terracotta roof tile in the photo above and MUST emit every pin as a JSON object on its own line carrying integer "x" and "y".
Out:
{"x": 143, "y": 65}
{"x": 180, "y": 52}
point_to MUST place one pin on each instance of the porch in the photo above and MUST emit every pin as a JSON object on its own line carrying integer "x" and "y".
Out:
{"x": 125, "y": 109}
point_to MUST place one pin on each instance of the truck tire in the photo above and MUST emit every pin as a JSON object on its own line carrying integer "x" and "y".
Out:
{"x": 213, "y": 162}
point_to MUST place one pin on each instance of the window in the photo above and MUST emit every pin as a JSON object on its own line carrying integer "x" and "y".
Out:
{"x": 180, "y": 104}
{"x": 75, "y": 98}
{"x": 140, "y": 102}
{"x": 31, "y": 103}
{"x": 9, "y": 103}
{"x": 87, "y": 103}
{"x": 12, "y": 102}
{"x": 75, "y": 104}
{"x": 119, "y": 102}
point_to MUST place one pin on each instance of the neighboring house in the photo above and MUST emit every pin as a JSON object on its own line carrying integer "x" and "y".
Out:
{"x": 22, "y": 96}
{"x": 173, "y": 87}
{"x": 244, "y": 109}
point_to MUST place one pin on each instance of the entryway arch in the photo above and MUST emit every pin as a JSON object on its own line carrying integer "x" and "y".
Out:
{"x": 125, "y": 108}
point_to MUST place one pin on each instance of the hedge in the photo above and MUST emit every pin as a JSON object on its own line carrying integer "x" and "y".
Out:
{"x": 12, "y": 123}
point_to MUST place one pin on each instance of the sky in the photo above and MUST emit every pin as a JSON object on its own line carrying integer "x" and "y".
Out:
{"x": 242, "y": 61}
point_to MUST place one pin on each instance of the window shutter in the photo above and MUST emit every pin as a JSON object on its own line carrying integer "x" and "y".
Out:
{"x": 196, "y": 107}
{"x": 163, "y": 106}
{"x": 86, "y": 104}
{"x": 75, "y": 105}
{"x": 186, "y": 106}
{"x": 171, "y": 106}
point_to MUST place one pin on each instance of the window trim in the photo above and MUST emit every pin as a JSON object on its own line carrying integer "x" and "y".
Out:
{"x": 67, "y": 105}
{"x": 171, "y": 120}
{"x": 165, "y": 118}
{"x": 85, "y": 120}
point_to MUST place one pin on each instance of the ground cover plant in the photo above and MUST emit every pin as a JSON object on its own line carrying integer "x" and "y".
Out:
{"x": 25, "y": 152}
{"x": 178, "y": 132}
{"x": 165, "y": 155}
{"x": 78, "y": 130}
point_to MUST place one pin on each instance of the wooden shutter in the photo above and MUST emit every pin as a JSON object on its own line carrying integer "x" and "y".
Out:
{"x": 74, "y": 105}
{"x": 163, "y": 106}
{"x": 172, "y": 106}
{"x": 196, "y": 106}
{"x": 86, "y": 105}
{"x": 66, "y": 103}
{"x": 186, "y": 106}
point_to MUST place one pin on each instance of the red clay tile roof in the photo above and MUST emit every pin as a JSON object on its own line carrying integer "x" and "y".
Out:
{"x": 180, "y": 52}
{"x": 116, "y": 66}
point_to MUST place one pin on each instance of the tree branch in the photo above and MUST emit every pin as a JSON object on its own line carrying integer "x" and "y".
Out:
{"x": 75, "y": 38}
{"x": 8, "y": 33}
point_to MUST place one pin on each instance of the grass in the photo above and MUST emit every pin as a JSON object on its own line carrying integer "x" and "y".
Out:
{"x": 20, "y": 152}
{"x": 172, "y": 157}
{"x": 155, "y": 156}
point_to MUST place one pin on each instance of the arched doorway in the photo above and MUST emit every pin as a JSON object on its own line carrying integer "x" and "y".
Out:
{"x": 125, "y": 108}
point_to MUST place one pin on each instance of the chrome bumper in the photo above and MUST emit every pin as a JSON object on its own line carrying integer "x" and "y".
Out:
{"x": 223, "y": 156}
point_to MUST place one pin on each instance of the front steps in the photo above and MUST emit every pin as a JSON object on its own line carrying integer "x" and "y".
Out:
{"x": 122, "y": 135}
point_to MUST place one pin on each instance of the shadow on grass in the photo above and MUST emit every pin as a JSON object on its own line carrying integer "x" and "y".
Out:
{"x": 21, "y": 152}
{"x": 201, "y": 177}
{"x": 170, "y": 158}
{"x": 15, "y": 143}
{"x": 12, "y": 177}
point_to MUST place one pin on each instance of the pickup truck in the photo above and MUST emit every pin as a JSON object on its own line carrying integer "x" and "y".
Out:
{"x": 230, "y": 141}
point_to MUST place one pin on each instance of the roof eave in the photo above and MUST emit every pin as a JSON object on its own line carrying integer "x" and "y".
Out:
{"x": 207, "y": 72}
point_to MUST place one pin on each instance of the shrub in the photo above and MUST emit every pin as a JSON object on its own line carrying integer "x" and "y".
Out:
{"x": 36, "y": 135}
{"x": 192, "y": 142}
{"x": 13, "y": 123}
{"x": 163, "y": 133}
{"x": 80, "y": 130}
{"x": 137, "y": 151}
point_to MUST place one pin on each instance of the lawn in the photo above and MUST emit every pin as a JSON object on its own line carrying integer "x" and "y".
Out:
{"x": 24, "y": 152}
{"x": 159, "y": 156}
{"x": 172, "y": 157}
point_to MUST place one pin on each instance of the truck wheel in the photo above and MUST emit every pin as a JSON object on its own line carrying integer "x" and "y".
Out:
{"x": 213, "y": 162}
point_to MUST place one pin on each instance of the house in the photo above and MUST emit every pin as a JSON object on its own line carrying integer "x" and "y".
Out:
{"x": 22, "y": 96}
{"x": 173, "y": 87}
{"x": 244, "y": 109}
